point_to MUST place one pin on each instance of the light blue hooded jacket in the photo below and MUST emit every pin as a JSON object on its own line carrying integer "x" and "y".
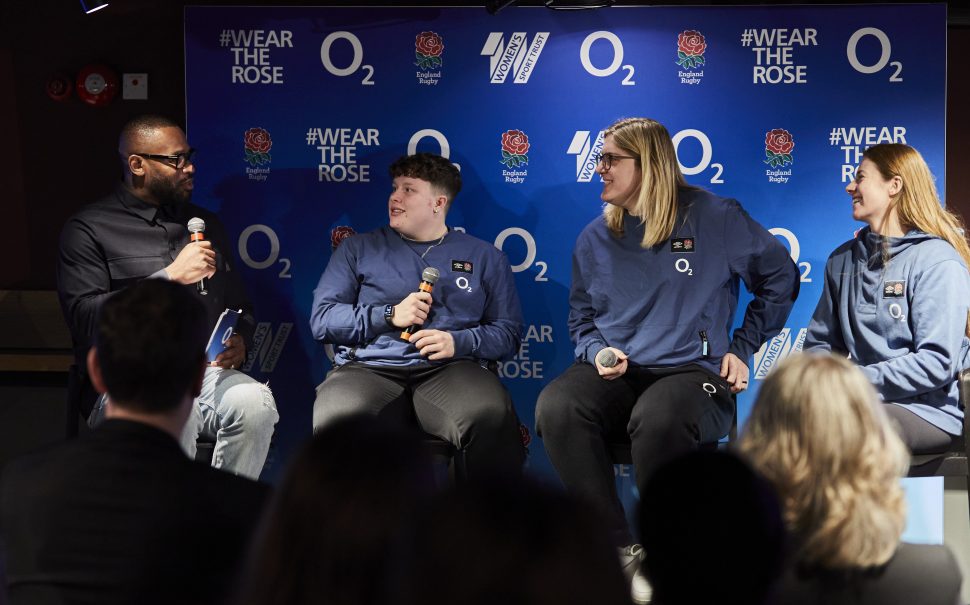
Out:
{"x": 903, "y": 322}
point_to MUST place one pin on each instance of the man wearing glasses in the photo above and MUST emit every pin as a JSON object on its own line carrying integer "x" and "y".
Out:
{"x": 140, "y": 231}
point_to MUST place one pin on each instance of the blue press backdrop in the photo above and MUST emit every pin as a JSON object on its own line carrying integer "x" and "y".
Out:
{"x": 297, "y": 112}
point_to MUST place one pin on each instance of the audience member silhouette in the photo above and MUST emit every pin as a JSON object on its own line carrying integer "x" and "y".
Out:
{"x": 711, "y": 531}
{"x": 345, "y": 500}
{"x": 819, "y": 433}
{"x": 513, "y": 542}
{"x": 121, "y": 515}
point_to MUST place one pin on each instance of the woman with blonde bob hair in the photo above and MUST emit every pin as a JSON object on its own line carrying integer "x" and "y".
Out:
{"x": 896, "y": 298}
{"x": 819, "y": 434}
{"x": 655, "y": 286}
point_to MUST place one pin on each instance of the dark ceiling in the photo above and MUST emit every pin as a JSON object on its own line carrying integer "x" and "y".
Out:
{"x": 33, "y": 16}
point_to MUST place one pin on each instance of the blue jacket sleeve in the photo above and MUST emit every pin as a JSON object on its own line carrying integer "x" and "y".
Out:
{"x": 499, "y": 333}
{"x": 582, "y": 329}
{"x": 938, "y": 316}
{"x": 336, "y": 316}
{"x": 766, "y": 268}
{"x": 825, "y": 329}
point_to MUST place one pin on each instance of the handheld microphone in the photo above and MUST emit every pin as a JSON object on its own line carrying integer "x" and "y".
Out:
{"x": 428, "y": 278}
{"x": 606, "y": 358}
{"x": 196, "y": 227}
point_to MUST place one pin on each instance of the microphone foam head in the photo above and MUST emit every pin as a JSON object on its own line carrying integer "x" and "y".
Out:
{"x": 196, "y": 225}
{"x": 430, "y": 275}
{"x": 606, "y": 358}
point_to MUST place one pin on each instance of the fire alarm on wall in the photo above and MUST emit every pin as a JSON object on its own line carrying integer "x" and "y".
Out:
{"x": 97, "y": 85}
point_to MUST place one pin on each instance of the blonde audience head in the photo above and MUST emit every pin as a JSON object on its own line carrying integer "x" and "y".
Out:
{"x": 819, "y": 434}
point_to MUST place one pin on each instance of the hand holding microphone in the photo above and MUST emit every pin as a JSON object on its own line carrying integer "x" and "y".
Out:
{"x": 194, "y": 262}
{"x": 196, "y": 229}
{"x": 416, "y": 306}
{"x": 610, "y": 363}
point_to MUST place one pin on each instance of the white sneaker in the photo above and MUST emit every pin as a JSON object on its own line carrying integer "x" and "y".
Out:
{"x": 640, "y": 590}
{"x": 631, "y": 559}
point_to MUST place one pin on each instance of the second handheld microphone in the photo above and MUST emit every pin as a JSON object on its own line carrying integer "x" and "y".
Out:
{"x": 428, "y": 278}
{"x": 196, "y": 229}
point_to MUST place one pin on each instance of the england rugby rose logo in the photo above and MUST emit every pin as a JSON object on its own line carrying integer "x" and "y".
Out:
{"x": 778, "y": 146}
{"x": 690, "y": 49}
{"x": 258, "y": 143}
{"x": 515, "y": 147}
{"x": 339, "y": 234}
{"x": 428, "y": 47}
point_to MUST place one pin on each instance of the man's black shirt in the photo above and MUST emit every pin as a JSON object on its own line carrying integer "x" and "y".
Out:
{"x": 121, "y": 239}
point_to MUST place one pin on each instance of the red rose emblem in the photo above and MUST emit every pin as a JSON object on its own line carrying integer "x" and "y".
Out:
{"x": 779, "y": 141}
{"x": 691, "y": 43}
{"x": 429, "y": 44}
{"x": 258, "y": 140}
{"x": 526, "y": 436}
{"x": 339, "y": 234}
{"x": 515, "y": 142}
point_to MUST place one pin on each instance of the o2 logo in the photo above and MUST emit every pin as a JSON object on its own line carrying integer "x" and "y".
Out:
{"x": 617, "y": 45}
{"x": 707, "y": 153}
{"x": 462, "y": 283}
{"x": 796, "y": 250}
{"x": 886, "y": 48}
{"x": 274, "y": 250}
{"x": 530, "y": 254}
{"x": 682, "y": 265}
{"x": 896, "y": 312}
{"x": 431, "y": 133}
{"x": 355, "y": 62}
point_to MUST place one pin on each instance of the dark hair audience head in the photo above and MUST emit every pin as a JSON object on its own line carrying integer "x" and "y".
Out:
{"x": 150, "y": 342}
{"x": 344, "y": 501}
{"x": 435, "y": 169}
{"x": 712, "y": 532}
{"x": 514, "y": 542}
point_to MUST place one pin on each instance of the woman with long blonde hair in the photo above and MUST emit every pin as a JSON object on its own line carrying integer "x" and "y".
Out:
{"x": 896, "y": 298}
{"x": 821, "y": 437}
{"x": 655, "y": 286}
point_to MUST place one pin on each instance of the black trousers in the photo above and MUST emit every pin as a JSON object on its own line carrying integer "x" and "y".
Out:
{"x": 920, "y": 436}
{"x": 460, "y": 402}
{"x": 666, "y": 412}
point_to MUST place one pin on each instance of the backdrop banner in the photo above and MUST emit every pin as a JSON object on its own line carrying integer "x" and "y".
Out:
{"x": 297, "y": 113}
